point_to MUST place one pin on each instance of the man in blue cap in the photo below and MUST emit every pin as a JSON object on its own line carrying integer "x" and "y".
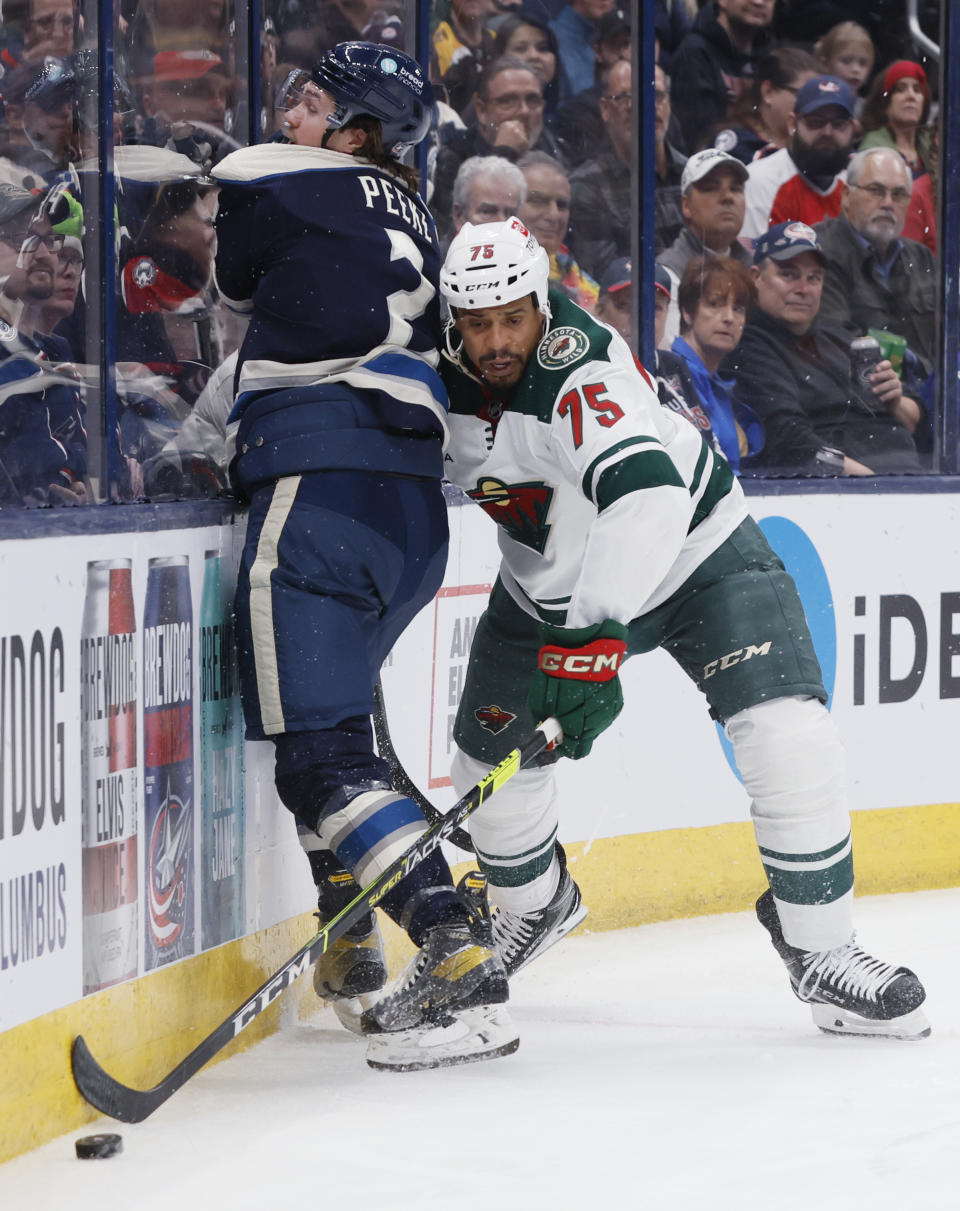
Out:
{"x": 613, "y": 303}
{"x": 804, "y": 181}
{"x": 795, "y": 373}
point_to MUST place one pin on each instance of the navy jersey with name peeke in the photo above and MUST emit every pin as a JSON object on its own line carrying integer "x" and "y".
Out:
{"x": 337, "y": 264}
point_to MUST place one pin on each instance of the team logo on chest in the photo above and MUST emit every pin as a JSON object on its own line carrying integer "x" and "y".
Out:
{"x": 520, "y": 508}
{"x": 562, "y": 346}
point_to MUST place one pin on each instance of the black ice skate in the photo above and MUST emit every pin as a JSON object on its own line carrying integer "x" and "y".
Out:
{"x": 520, "y": 937}
{"x": 849, "y": 991}
{"x": 449, "y": 1005}
{"x": 354, "y": 966}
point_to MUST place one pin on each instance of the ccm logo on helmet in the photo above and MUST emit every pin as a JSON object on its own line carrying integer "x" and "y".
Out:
{"x": 598, "y": 661}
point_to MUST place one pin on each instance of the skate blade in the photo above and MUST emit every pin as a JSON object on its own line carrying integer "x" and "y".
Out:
{"x": 913, "y": 1025}
{"x": 350, "y": 1011}
{"x": 474, "y": 1035}
{"x": 554, "y": 936}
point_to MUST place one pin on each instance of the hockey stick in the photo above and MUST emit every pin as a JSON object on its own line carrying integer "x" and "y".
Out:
{"x": 134, "y": 1105}
{"x": 398, "y": 775}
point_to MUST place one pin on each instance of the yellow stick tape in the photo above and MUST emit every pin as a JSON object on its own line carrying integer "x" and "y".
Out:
{"x": 500, "y": 774}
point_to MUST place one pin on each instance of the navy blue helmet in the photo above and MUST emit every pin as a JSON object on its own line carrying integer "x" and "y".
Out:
{"x": 369, "y": 78}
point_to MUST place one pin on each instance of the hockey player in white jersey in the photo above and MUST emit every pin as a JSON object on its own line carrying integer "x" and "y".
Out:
{"x": 620, "y": 532}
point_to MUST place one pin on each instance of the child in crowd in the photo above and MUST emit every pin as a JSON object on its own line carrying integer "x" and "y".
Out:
{"x": 847, "y": 51}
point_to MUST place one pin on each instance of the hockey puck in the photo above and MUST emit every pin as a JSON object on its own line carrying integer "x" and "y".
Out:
{"x": 98, "y": 1147}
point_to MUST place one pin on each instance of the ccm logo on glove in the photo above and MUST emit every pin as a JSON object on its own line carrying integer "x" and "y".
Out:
{"x": 597, "y": 661}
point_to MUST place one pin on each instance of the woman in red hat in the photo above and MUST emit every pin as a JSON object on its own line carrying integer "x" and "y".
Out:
{"x": 895, "y": 114}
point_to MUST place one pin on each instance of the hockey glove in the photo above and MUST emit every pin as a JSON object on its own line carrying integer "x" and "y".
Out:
{"x": 576, "y": 681}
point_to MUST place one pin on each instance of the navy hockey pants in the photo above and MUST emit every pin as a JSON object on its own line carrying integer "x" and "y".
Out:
{"x": 335, "y": 566}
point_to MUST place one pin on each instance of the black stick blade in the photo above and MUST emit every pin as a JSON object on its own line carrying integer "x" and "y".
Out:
{"x": 109, "y": 1095}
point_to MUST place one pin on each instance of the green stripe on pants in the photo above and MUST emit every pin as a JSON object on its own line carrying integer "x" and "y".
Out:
{"x": 504, "y": 871}
{"x": 818, "y": 878}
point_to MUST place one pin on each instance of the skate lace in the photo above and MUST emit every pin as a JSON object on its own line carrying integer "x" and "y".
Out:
{"x": 413, "y": 974}
{"x": 848, "y": 969}
{"x": 513, "y": 931}
{"x": 425, "y": 957}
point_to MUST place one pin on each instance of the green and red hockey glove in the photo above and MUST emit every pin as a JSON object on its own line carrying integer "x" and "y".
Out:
{"x": 577, "y": 681}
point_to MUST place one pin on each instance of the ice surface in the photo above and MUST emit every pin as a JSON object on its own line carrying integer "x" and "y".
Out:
{"x": 667, "y": 1067}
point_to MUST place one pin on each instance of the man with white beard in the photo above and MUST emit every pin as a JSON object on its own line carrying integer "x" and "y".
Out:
{"x": 875, "y": 277}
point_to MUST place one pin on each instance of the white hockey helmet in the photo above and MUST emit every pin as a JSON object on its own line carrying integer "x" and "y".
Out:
{"x": 489, "y": 264}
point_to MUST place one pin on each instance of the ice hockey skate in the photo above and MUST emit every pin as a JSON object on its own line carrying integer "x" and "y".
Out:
{"x": 520, "y": 937}
{"x": 449, "y": 1004}
{"x": 848, "y": 990}
{"x": 354, "y": 967}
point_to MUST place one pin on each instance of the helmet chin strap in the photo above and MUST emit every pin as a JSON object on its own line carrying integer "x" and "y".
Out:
{"x": 449, "y": 328}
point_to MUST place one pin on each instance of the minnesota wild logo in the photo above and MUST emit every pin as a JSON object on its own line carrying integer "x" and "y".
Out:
{"x": 493, "y": 718}
{"x": 561, "y": 346}
{"x": 520, "y": 508}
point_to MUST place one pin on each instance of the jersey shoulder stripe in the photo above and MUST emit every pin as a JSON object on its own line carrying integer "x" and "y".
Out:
{"x": 712, "y": 484}
{"x": 611, "y": 452}
{"x": 651, "y": 469}
{"x": 251, "y": 164}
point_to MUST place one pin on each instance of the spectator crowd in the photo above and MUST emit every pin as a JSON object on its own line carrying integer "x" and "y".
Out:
{"x": 795, "y": 165}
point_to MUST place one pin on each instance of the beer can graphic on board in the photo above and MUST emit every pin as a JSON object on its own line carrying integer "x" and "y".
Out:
{"x": 221, "y": 755}
{"x": 168, "y": 815}
{"x": 108, "y": 760}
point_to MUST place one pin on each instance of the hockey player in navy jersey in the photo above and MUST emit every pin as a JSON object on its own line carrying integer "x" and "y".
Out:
{"x": 339, "y": 425}
{"x": 620, "y": 531}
